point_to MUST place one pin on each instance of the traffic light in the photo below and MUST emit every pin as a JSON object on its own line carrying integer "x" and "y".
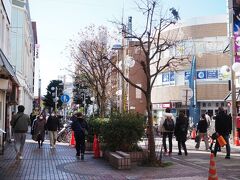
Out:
{"x": 77, "y": 99}
{"x": 88, "y": 100}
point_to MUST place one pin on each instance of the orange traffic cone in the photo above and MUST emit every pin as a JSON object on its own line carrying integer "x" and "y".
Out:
{"x": 236, "y": 139}
{"x": 212, "y": 173}
{"x": 72, "y": 141}
{"x": 96, "y": 148}
{"x": 193, "y": 134}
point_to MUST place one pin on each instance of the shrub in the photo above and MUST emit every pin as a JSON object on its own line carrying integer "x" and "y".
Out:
{"x": 123, "y": 131}
{"x": 94, "y": 125}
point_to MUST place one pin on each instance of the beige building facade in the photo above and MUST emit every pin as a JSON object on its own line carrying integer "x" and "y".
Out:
{"x": 206, "y": 39}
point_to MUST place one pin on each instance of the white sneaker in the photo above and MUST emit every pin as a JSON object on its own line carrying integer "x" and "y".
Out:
{"x": 20, "y": 157}
{"x": 51, "y": 147}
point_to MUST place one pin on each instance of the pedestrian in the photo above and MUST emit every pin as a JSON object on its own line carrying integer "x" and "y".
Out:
{"x": 167, "y": 124}
{"x": 181, "y": 130}
{"x": 79, "y": 126}
{"x": 53, "y": 125}
{"x": 20, "y": 123}
{"x": 208, "y": 118}
{"x": 223, "y": 127}
{"x": 33, "y": 116}
{"x": 202, "y": 132}
{"x": 39, "y": 126}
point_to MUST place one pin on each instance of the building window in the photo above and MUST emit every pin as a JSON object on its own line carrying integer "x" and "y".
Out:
{"x": 204, "y": 104}
{"x": 222, "y": 104}
{"x": 209, "y": 104}
{"x": 217, "y": 104}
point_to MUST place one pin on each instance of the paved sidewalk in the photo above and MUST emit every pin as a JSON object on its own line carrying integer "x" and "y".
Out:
{"x": 61, "y": 163}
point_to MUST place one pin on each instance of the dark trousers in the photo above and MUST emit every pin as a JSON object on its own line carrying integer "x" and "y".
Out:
{"x": 181, "y": 144}
{"x": 217, "y": 146}
{"x": 80, "y": 142}
{"x": 169, "y": 135}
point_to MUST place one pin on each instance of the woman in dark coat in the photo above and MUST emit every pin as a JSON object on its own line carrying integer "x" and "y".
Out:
{"x": 79, "y": 126}
{"x": 202, "y": 132}
{"x": 180, "y": 132}
{"x": 39, "y": 130}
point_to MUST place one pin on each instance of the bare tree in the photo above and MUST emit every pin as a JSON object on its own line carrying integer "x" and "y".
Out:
{"x": 89, "y": 54}
{"x": 152, "y": 41}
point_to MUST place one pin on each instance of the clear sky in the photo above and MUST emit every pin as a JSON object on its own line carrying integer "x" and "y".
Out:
{"x": 59, "y": 20}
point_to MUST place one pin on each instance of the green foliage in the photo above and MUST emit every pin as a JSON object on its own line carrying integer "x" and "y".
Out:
{"x": 48, "y": 100}
{"x": 95, "y": 124}
{"x": 123, "y": 131}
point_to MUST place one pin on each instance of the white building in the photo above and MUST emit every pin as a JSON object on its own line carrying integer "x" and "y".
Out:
{"x": 8, "y": 80}
{"x": 22, "y": 51}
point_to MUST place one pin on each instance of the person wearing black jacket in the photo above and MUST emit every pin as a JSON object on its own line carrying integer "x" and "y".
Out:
{"x": 53, "y": 125}
{"x": 79, "y": 126}
{"x": 223, "y": 126}
{"x": 180, "y": 132}
{"x": 202, "y": 132}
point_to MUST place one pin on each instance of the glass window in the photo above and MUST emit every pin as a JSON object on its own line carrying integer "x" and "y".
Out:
{"x": 209, "y": 104}
{"x": 204, "y": 104}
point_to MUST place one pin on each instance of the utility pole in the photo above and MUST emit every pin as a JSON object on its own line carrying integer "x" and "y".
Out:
{"x": 232, "y": 56}
{"x": 56, "y": 99}
{"x": 123, "y": 68}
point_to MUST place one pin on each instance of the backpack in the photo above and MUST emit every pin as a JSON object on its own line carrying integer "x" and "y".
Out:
{"x": 168, "y": 124}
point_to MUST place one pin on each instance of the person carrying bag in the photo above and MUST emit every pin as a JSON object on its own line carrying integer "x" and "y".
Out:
{"x": 223, "y": 127}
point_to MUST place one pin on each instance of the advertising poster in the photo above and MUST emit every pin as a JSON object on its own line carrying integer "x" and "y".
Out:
{"x": 236, "y": 29}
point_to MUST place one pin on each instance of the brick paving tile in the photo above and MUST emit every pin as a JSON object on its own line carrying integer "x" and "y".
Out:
{"x": 61, "y": 163}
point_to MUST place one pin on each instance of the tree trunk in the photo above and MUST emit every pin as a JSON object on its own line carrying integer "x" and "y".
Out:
{"x": 151, "y": 140}
{"x": 102, "y": 106}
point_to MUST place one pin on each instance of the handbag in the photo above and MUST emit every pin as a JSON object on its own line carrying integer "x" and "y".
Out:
{"x": 221, "y": 141}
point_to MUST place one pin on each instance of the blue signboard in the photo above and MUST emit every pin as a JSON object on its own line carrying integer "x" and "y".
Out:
{"x": 212, "y": 74}
{"x": 201, "y": 74}
{"x": 65, "y": 98}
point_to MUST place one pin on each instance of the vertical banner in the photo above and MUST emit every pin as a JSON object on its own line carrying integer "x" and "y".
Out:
{"x": 236, "y": 29}
{"x": 194, "y": 107}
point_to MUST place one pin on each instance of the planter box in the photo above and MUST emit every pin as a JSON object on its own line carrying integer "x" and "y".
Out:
{"x": 135, "y": 157}
{"x": 138, "y": 156}
{"x": 120, "y": 160}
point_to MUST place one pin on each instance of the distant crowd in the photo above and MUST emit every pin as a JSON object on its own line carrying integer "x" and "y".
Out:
{"x": 42, "y": 123}
{"x": 213, "y": 129}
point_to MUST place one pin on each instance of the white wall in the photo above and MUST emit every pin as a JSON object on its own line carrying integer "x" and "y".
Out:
{"x": 22, "y": 54}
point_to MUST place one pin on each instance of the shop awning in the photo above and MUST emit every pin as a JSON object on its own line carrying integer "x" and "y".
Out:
{"x": 4, "y": 63}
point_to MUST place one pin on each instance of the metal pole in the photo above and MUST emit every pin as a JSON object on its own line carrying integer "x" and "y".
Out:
{"x": 186, "y": 101}
{"x": 55, "y": 108}
{"x": 123, "y": 70}
{"x": 232, "y": 52}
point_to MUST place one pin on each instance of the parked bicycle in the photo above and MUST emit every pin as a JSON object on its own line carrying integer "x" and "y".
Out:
{"x": 64, "y": 134}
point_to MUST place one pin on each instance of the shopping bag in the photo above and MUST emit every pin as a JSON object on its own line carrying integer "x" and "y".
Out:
{"x": 221, "y": 141}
